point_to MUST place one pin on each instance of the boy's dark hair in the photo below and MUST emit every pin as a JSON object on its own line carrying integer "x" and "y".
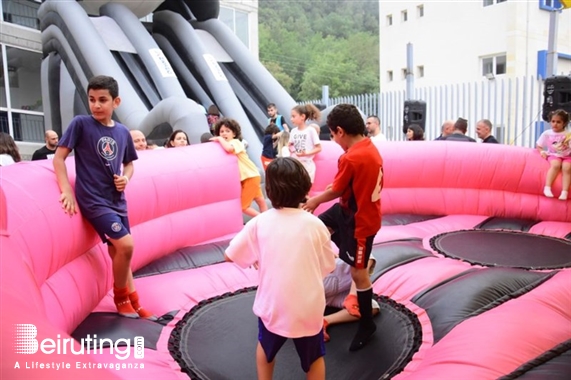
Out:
{"x": 230, "y": 124}
{"x": 271, "y": 129}
{"x": 271, "y": 105}
{"x": 287, "y": 182}
{"x": 348, "y": 118}
{"x": 205, "y": 137}
{"x": 462, "y": 125}
{"x": 103, "y": 82}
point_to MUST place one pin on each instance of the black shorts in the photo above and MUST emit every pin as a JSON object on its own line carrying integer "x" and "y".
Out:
{"x": 355, "y": 252}
{"x": 309, "y": 348}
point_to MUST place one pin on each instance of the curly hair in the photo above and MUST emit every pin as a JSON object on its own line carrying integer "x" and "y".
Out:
{"x": 231, "y": 124}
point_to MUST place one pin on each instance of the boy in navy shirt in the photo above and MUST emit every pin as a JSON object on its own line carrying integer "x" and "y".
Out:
{"x": 102, "y": 146}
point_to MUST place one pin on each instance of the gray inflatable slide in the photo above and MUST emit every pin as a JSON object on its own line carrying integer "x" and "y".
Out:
{"x": 168, "y": 71}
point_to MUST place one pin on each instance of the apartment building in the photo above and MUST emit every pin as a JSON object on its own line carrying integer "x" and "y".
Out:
{"x": 465, "y": 41}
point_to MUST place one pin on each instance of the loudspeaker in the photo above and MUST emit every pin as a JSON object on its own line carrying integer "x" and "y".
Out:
{"x": 556, "y": 95}
{"x": 414, "y": 113}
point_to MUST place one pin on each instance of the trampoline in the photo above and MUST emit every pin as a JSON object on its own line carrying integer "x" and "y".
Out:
{"x": 205, "y": 341}
{"x": 504, "y": 249}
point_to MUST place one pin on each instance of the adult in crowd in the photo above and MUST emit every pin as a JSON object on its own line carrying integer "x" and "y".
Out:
{"x": 373, "y": 126}
{"x": 212, "y": 116}
{"x": 177, "y": 139}
{"x": 414, "y": 133}
{"x": 276, "y": 118}
{"x": 47, "y": 151}
{"x": 446, "y": 130}
{"x": 139, "y": 139}
{"x": 484, "y": 131}
{"x": 9, "y": 153}
{"x": 459, "y": 133}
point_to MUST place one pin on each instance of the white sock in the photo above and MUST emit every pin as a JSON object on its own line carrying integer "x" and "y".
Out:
{"x": 563, "y": 195}
{"x": 547, "y": 192}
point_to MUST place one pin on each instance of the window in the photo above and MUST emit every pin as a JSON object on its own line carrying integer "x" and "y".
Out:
{"x": 492, "y": 2}
{"x": 420, "y": 11}
{"x": 404, "y": 16}
{"x": 549, "y": 5}
{"x": 238, "y": 22}
{"x": 23, "y": 13}
{"x": 22, "y": 73}
{"x": 420, "y": 71}
{"x": 403, "y": 73}
{"x": 495, "y": 65}
{"x": 389, "y": 76}
{"x": 389, "y": 20}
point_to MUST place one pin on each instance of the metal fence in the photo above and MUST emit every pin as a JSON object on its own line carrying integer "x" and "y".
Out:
{"x": 513, "y": 105}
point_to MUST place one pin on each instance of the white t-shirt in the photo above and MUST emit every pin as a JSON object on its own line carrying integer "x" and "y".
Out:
{"x": 6, "y": 159}
{"x": 553, "y": 142}
{"x": 303, "y": 141}
{"x": 379, "y": 137}
{"x": 292, "y": 264}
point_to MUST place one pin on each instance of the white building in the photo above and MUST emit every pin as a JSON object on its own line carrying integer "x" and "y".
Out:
{"x": 21, "y": 111}
{"x": 461, "y": 41}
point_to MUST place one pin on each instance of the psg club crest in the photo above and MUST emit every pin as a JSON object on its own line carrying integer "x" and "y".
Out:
{"x": 107, "y": 148}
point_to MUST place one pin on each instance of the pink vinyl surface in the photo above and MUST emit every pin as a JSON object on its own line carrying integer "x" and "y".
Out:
{"x": 55, "y": 271}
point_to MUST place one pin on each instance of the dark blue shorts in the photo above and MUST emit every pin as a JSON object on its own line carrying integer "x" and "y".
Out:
{"x": 355, "y": 252}
{"x": 111, "y": 225}
{"x": 309, "y": 348}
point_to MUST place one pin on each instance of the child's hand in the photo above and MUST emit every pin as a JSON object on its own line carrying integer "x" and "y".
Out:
{"x": 216, "y": 138}
{"x": 310, "y": 205}
{"x": 120, "y": 182}
{"x": 68, "y": 203}
{"x": 543, "y": 154}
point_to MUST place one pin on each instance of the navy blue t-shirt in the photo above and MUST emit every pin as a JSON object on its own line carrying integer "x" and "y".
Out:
{"x": 99, "y": 153}
{"x": 268, "y": 150}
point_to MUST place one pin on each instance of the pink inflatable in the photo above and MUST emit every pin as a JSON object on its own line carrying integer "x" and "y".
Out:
{"x": 55, "y": 271}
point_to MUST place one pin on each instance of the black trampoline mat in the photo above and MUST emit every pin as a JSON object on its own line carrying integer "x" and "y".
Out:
{"x": 504, "y": 249}
{"x": 218, "y": 341}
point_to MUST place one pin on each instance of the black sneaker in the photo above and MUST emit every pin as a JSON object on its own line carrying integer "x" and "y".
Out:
{"x": 364, "y": 334}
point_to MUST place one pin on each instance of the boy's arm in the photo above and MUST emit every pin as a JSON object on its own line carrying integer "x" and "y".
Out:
{"x": 285, "y": 126}
{"x": 66, "y": 199}
{"x": 326, "y": 196}
{"x": 122, "y": 181}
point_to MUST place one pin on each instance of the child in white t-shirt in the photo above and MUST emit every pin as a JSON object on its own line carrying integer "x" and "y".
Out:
{"x": 304, "y": 141}
{"x": 292, "y": 265}
{"x": 555, "y": 145}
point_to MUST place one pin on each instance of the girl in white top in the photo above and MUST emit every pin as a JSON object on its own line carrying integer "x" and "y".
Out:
{"x": 304, "y": 141}
{"x": 555, "y": 145}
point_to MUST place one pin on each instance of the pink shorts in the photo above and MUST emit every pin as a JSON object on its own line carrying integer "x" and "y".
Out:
{"x": 562, "y": 159}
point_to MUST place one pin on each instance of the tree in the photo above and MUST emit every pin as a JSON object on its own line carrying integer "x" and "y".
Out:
{"x": 308, "y": 44}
